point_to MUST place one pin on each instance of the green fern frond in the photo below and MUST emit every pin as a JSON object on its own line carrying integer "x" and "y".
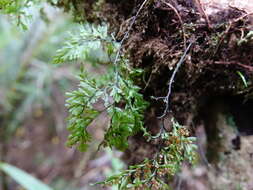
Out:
{"x": 82, "y": 113}
{"x": 156, "y": 173}
{"x": 91, "y": 44}
{"x": 126, "y": 111}
{"x": 122, "y": 100}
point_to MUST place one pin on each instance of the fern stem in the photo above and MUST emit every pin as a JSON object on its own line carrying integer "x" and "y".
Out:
{"x": 123, "y": 40}
{"x": 167, "y": 97}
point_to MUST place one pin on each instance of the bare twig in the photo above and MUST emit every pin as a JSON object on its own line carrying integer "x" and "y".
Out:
{"x": 167, "y": 97}
{"x": 151, "y": 75}
{"x": 229, "y": 27}
{"x": 202, "y": 12}
{"x": 248, "y": 67}
{"x": 180, "y": 20}
{"x": 223, "y": 37}
{"x": 242, "y": 17}
{"x": 125, "y": 37}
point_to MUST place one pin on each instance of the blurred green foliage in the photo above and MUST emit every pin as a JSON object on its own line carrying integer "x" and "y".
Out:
{"x": 19, "y": 10}
{"x": 27, "y": 77}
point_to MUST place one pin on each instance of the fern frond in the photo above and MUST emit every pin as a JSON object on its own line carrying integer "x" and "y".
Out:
{"x": 80, "y": 106}
{"x": 122, "y": 100}
{"x": 91, "y": 44}
{"x": 155, "y": 173}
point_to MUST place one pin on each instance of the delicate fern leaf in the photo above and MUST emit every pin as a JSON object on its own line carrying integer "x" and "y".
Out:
{"x": 177, "y": 147}
{"x": 126, "y": 121}
{"x": 82, "y": 113}
{"x": 91, "y": 44}
{"x": 122, "y": 99}
{"x": 121, "y": 127}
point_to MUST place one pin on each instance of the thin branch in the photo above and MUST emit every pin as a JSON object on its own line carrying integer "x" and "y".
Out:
{"x": 150, "y": 76}
{"x": 223, "y": 37}
{"x": 125, "y": 37}
{"x": 242, "y": 17}
{"x": 248, "y": 67}
{"x": 180, "y": 20}
{"x": 203, "y": 13}
{"x": 167, "y": 97}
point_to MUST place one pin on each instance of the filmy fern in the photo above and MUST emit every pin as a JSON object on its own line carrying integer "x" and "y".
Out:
{"x": 92, "y": 44}
{"x": 126, "y": 120}
{"x": 124, "y": 104}
{"x": 155, "y": 174}
{"x": 81, "y": 112}
{"x": 122, "y": 101}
